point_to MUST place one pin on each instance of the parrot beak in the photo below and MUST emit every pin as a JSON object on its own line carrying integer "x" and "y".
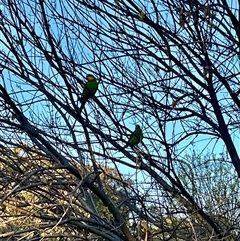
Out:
{"x": 90, "y": 78}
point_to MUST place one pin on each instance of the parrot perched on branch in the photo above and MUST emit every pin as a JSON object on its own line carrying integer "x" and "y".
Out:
{"x": 135, "y": 137}
{"x": 89, "y": 90}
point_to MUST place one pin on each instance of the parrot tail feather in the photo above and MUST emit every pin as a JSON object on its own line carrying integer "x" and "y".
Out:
{"x": 83, "y": 102}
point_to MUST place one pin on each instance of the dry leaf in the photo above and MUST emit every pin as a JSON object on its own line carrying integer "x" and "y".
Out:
{"x": 174, "y": 104}
{"x": 141, "y": 14}
{"x": 205, "y": 72}
{"x": 117, "y": 2}
{"x": 182, "y": 20}
{"x": 206, "y": 12}
{"x": 188, "y": 16}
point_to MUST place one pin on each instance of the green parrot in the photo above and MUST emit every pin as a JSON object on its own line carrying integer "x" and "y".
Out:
{"x": 89, "y": 90}
{"x": 135, "y": 137}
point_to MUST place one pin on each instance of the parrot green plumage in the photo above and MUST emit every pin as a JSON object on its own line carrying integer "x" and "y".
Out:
{"x": 89, "y": 90}
{"x": 90, "y": 87}
{"x": 135, "y": 137}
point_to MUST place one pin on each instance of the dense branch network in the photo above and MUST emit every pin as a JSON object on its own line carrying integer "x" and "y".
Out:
{"x": 171, "y": 67}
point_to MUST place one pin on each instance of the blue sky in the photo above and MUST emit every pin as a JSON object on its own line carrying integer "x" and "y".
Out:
{"x": 81, "y": 54}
